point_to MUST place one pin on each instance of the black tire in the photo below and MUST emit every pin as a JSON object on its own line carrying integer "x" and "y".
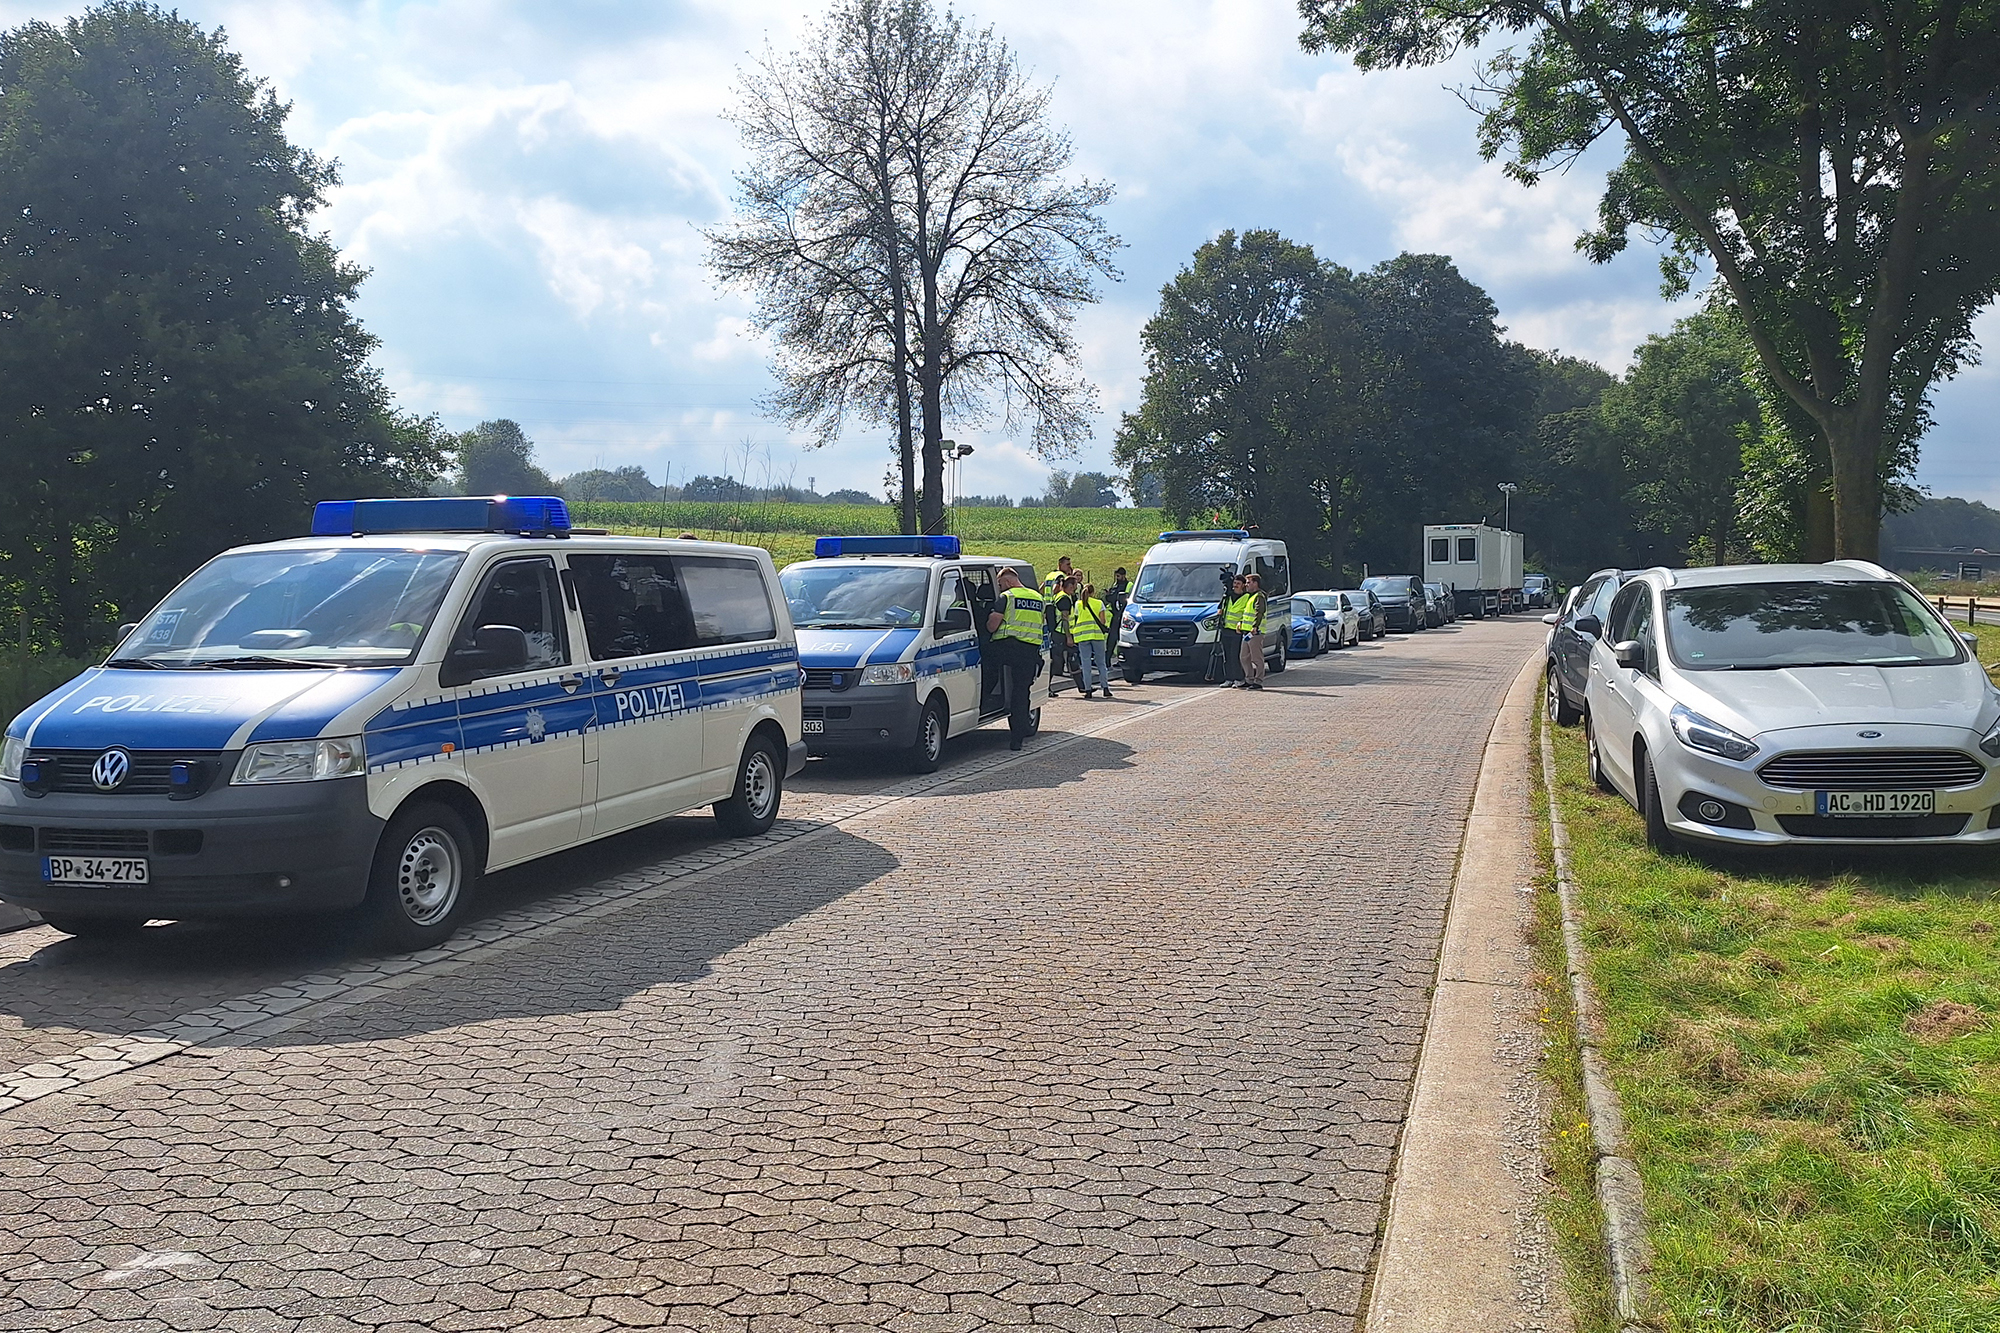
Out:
{"x": 753, "y": 803}
{"x": 97, "y": 927}
{"x": 1658, "y": 836}
{"x": 1132, "y": 675}
{"x": 1277, "y": 666}
{"x": 425, "y": 870}
{"x": 927, "y": 750}
{"x": 1034, "y": 722}
{"x": 1597, "y": 774}
{"x": 1561, "y": 711}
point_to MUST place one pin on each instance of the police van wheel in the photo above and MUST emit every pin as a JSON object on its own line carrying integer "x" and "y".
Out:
{"x": 1133, "y": 675}
{"x": 927, "y": 750}
{"x": 760, "y": 787}
{"x": 1277, "y": 664}
{"x": 424, "y": 871}
{"x": 1034, "y": 722}
{"x": 96, "y": 927}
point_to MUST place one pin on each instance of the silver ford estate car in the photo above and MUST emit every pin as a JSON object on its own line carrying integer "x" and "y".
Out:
{"x": 1774, "y": 704}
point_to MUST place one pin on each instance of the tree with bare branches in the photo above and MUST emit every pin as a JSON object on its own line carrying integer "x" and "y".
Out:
{"x": 913, "y": 237}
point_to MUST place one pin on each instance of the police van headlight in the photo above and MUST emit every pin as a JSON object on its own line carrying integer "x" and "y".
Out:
{"x": 12, "y": 751}
{"x": 889, "y": 673}
{"x": 300, "y": 761}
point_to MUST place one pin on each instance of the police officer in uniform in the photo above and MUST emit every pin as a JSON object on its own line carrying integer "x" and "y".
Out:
{"x": 1016, "y": 626}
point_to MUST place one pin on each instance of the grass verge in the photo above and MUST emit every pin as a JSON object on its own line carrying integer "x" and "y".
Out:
{"x": 1809, "y": 1060}
{"x": 1576, "y": 1222}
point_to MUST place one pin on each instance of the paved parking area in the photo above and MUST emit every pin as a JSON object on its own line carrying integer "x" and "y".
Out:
{"x": 1116, "y": 1033}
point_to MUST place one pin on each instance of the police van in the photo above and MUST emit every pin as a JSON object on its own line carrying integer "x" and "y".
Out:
{"x": 892, "y": 632}
{"x": 1175, "y": 613}
{"x": 371, "y": 717}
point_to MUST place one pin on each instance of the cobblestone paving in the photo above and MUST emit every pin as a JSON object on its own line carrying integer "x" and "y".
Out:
{"x": 1114, "y": 1037}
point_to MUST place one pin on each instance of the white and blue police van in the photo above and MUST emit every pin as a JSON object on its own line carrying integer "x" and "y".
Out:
{"x": 892, "y": 632}
{"x": 1174, "y": 617}
{"x": 369, "y": 718}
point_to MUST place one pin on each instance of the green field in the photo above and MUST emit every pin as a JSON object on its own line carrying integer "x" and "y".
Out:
{"x": 1807, "y": 1051}
{"x": 1098, "y": 540}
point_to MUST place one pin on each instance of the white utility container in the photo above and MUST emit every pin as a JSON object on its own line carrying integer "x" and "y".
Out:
{"x": 1481, "y": 566}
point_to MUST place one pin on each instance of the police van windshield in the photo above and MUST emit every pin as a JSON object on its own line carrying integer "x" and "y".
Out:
{"x": 856, "y": 596}
{"x": 339, "y": 606}
{"x": 1180, "y": 583}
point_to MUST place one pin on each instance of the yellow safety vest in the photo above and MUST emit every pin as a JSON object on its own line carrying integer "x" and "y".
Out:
{"x": 1085, "y": 615}
{"x": 1020, "y": 616}
{"x": 1242, "y": 614}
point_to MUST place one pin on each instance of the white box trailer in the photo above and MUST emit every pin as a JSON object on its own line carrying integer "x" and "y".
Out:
{"x": 1478, "y": 565}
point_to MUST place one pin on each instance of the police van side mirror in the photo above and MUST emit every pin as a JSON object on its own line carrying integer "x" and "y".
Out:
{"x": 495, "y": 650}
{"x": 955, "y": 620}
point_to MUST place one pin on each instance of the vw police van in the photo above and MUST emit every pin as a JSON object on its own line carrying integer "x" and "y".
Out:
{"x": 891, "y": 636}
{"x": 373, "y": 716}
{"x": 1175, "y": 614}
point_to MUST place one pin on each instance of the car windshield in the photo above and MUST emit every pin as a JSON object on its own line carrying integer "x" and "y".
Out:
{"x": 326, "y": 606}
{"x": 1325, "y": 601}
{"x": 1536, "y": 581}
{"x": 1771, "y": 626}
{"x": 1387, "y": 587}
{"x": 1179, "y": 583}
{"x": 856, "y": 596}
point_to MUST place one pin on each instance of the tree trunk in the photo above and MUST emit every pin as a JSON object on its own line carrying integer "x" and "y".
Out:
{"x": 933, "y": 406}
{"x": 1856, "y": 448}
{"x": 1817, "y": 520}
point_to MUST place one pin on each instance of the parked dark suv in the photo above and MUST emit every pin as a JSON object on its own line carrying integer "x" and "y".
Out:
{"x": 1402, "y": 598}
{"x": 1573, "y": 630}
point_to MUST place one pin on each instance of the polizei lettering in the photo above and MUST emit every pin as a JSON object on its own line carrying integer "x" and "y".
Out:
{"x": 651, "y": 701}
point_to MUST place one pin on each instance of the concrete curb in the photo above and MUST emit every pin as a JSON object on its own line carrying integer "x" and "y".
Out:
{"x": 1618, "y": 1189}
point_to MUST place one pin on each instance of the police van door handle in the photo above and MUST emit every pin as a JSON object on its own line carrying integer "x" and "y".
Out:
{"x": 571, "y": 684}
{"x": 611, "y": 675}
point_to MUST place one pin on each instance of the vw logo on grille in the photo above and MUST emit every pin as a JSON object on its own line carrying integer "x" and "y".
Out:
{"x": 1869, "y": 735}
{"x": 111, "y": 770}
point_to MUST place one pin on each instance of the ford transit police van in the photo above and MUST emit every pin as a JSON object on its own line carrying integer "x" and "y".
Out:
{"x": 892, "y": 632}
{"x": 373, "y": 716}
{"x": 1175, "y": 614}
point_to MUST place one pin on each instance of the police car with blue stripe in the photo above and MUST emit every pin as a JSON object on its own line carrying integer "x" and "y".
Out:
{"x": 371, "y": 717}
{"x": 892, "y": 632}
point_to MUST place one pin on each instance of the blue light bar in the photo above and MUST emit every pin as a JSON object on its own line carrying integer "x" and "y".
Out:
{"x": 534, "y": 515}
{"x": 1213, "y": 534}
{"x": 942, "y": 548}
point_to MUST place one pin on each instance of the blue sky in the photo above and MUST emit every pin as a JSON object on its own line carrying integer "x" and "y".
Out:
{"x": 526, "y": 180}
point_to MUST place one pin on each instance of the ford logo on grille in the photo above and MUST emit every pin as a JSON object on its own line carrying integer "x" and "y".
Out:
{"x": 111, "y": 770}
{"x": 1869, "y": 735}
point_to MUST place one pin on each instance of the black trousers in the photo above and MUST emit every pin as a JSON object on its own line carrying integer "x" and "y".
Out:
{"x": 1232, "y": 654}
{"x": 1019, "y": 663}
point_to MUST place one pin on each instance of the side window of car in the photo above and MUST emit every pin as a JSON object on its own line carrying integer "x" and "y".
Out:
{"x": 1275, "y": 572}
{"x": 1642, "y": 630}
{"x": 951, "y": 594}
{"x": 1624, "y": 613}
{"x": 728, "y": 599}
{"x": 1600, "y": 605}
{"x": 1580, "y": 604}
{"x": 632, "y": 605}
{"x": 525, "y": 595}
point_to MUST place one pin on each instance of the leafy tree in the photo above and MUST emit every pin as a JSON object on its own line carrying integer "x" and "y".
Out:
{"x": 1834, "y": 159}
{"x": 985, "y": 502}
{"x": 496, "y": 458}
{"x": 1207, "y": 423}
{"x": 912, "y": 237}
{"x": 713, "y": 489}
{"x": 1943, "y": 523}
{"x": 625, "y": 483}
{"x": 180, "y": 370}
{"x": 1080, "y": 490}
{"x": 1682, "y": 415}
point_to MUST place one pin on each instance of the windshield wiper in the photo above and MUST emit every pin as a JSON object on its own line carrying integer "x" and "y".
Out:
{"x": 845, "y": 624}
{"x": 262, "y": 663}
{"x": 140, "y": 663}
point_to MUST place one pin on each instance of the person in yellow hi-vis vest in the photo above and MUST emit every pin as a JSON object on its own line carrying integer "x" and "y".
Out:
{"x": 1250, "y": 621}
{"x": 1015, "y": 625}
{"x": 1090, "y": 630}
